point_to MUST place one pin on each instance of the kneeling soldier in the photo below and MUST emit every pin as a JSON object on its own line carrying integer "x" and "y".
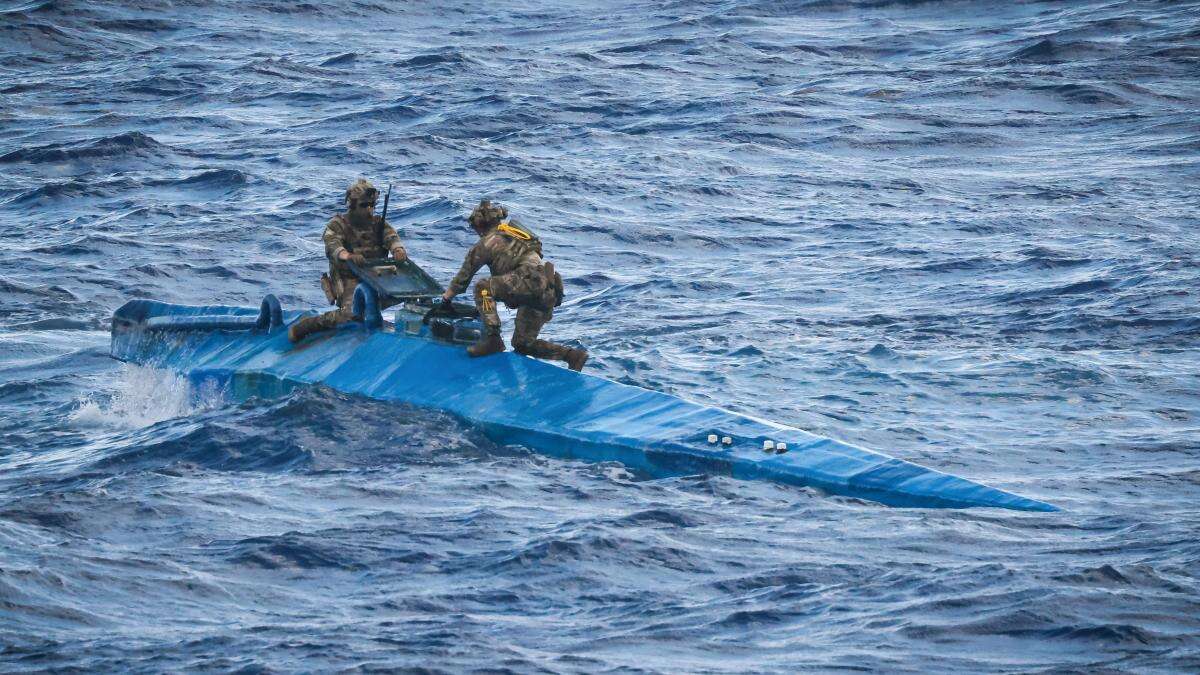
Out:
{"x": 519, "y": 279}
{"x": 354, "y": 236}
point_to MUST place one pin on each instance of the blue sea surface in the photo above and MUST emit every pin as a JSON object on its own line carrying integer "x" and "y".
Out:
{"x": 961, "y": 233}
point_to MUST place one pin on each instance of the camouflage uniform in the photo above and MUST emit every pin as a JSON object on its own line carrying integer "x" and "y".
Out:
{"x": 342, "y": 235}
{"x": 520, "y": 280}
{"x": 372, "y": 240}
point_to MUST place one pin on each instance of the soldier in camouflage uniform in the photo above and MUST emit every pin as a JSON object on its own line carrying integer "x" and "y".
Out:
{"x": 519, "y": 279}
{"x": 354, "y": 236}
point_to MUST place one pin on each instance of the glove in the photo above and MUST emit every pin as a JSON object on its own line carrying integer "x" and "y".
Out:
{"x": 442, "y": 307}
{"x": 399, "y": 254}
{"x": 357, "y": 259}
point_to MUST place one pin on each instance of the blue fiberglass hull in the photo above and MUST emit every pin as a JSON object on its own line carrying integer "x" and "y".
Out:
{"x": 519, "y": 400}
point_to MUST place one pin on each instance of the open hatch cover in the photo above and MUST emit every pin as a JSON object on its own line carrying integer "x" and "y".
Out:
{"x": 402, "y": 280}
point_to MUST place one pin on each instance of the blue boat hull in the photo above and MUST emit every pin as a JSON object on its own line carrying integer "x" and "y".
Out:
{"x": 520, "y": 400}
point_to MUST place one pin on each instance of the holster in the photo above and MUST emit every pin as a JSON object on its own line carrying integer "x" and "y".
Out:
{"x": 330, "y": 289}
{"x": 554, "y": 286}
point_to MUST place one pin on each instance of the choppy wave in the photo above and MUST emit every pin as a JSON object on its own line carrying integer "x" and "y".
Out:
{"x": 961, "y": 233}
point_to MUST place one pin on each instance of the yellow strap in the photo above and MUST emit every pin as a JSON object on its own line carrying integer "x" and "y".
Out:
{"x": 513, "y": 232}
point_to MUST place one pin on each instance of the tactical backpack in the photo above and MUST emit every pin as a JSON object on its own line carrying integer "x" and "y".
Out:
{"x": 515, "y": 230}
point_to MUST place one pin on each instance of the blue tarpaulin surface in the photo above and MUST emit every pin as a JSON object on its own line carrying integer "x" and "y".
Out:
{"x": 520, "y": 400}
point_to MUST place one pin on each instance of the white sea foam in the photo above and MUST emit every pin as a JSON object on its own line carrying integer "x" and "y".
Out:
{"x": 142, "y": 396}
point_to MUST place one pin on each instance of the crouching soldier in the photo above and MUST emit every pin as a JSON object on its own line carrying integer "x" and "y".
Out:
{"x": 354, "y": 236}
{"x": 519, "y": 279}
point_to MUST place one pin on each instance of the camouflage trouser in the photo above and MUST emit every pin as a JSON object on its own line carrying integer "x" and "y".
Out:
{"x": 345, "y": 310}
{"x": 525, "y": 289}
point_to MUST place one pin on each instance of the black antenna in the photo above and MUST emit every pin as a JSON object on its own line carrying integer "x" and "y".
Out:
{"x": 383, "y": 216}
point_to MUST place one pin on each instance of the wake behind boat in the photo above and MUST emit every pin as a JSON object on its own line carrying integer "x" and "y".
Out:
{"x": 418, "y": 358}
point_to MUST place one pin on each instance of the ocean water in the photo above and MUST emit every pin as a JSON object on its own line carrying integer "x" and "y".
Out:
{"x": 961, "y": 233}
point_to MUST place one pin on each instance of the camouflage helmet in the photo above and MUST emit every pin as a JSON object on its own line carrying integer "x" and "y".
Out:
{"x": 487, "y": 215}
{"x": 361, "y": 190}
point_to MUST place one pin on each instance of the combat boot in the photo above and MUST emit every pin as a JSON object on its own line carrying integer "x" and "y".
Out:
{"x": 489, "y": 343}
{"x": 576, "y": 358}
{"x": 303, "y": 328}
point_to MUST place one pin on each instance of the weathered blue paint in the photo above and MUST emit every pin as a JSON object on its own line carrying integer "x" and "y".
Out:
{"x": 520, "y": 400}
